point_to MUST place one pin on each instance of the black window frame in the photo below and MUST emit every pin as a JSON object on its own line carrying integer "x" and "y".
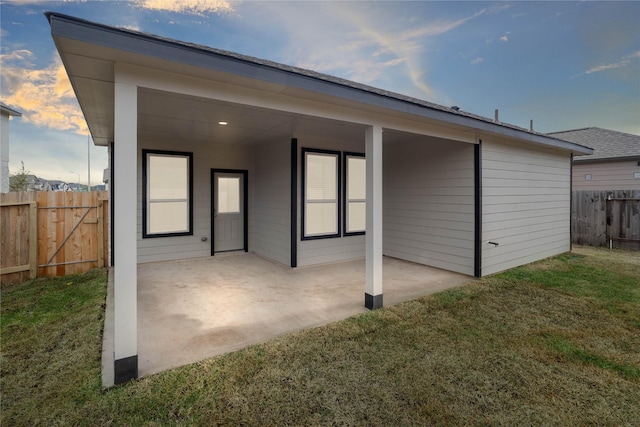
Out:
{"x": 338, "y": 155}
{"x": 145, "y": 191}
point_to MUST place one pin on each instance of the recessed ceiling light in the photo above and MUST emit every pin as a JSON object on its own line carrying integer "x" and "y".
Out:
{"x": 223, "y": 123}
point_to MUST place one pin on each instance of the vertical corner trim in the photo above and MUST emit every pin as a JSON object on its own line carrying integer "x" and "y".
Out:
{"x": 211, "y": 217}
{"x": 112, "y": 202}
{"x": 245, "y": 218}
{"x": 571, "y": 203}
{"x": 125, "y": 369}
{"x": 477, "y": 168}
{"x": 294, "y": 203}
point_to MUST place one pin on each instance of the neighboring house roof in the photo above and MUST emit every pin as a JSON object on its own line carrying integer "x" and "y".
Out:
{"x": 607, "y": 144}
{"x": 8, "y": 110}
{"x": 148, "y": 46}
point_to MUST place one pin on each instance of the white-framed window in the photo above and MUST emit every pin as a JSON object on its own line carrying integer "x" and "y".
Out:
{"x": 320, "y": 193}
{"x": 167, "y": 193}
{"x": 355, "y": 194}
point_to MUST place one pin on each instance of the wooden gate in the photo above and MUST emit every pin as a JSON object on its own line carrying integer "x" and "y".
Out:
{"x": 606, "y": 218}
{"x": 71, "y": 232}
{"x": 69, "y": 228}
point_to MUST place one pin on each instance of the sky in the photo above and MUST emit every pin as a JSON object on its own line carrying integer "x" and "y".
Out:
{"x": 564, "y": 65}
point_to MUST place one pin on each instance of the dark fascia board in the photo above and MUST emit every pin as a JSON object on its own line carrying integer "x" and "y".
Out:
{"x": 9, "y": 111}
{"x": 588, "y": 159}
{"x": 66, "y": 26}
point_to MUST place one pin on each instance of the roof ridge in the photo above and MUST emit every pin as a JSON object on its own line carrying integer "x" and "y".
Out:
{"x": 594, "y": 127}
{"x": 573, "y": 130}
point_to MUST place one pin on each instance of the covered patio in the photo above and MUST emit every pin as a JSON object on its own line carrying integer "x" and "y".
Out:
{"x": 189, "y": 310}
{"x": 213, "y": 151}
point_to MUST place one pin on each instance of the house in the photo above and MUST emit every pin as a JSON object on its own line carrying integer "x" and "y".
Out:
{"x": 214, "y": 151}
{"x": 614, "y": 164}
{"x": 5, "y": 113}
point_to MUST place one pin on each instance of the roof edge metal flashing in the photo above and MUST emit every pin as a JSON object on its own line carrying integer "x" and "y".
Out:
{"x": 66, "y": 26}
{"x": 588, "y": 159}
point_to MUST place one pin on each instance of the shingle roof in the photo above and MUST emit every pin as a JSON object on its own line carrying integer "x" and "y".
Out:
{"x": 606, "y": 143}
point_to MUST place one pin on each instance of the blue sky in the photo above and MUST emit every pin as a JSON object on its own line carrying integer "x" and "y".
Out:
{"x": 565, "y": 65}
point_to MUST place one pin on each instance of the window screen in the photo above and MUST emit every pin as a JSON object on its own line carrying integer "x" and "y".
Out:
{"x": 229, "y": 195}
{"x": 355, "y": 194}
{"x": 321, "y": 179}
{"x": 167, "y": 184}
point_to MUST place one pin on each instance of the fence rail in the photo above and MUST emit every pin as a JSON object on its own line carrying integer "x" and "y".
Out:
{"x": 52, "y": 233}
{"x": 606, "y": 218}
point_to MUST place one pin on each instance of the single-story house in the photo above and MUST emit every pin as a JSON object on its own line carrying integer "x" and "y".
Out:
{"x": 214, "y": 151}
{"x": 5, "y": 113}
{"x": 614, "y": 164}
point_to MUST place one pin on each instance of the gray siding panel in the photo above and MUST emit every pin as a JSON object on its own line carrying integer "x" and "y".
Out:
{"x": 616, "y": 175}
{"x": 271, "y": 222}
{"x": 428, "y": 203}
{"x": 525, "y": 204}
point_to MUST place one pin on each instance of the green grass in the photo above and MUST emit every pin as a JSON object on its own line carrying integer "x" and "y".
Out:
{"x": 553, "y": 343}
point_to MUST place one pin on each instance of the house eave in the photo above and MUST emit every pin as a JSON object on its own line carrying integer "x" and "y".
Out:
{"x": 145, "y": 46}
{"x": 588, "y": 159}
{"x": 9, "y": 111}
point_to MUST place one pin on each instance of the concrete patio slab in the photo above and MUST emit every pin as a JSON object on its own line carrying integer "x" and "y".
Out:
{"x": 193, "y": 309}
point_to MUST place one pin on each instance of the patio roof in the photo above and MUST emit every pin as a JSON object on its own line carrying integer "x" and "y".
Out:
{"x": 92, "y": 79}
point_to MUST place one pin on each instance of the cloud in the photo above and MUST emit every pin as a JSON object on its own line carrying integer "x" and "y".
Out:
{"x": 505, "y": 38}
{"x": 44, "y": 96}
{"x": 404, "y": 47}
{"x": 131, "y": 27}
{"x": 196, "y": 7}
{"x": 624, "y": 61}
{"x": 478, "y": 60}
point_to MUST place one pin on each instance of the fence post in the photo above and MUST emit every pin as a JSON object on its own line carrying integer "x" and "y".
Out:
{"x": 100, "y": 234}
{"x": 33, "y": 240}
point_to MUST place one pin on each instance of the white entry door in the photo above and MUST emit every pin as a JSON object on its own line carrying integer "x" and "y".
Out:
{"x": 228, "y": 211}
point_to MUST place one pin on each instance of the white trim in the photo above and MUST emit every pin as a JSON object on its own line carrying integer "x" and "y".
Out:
{"x": 373, "y": 153}
{"x": 125, "y": 213}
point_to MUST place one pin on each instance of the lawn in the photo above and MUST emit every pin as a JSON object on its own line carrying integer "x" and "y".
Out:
{"x": 553, "y": 343}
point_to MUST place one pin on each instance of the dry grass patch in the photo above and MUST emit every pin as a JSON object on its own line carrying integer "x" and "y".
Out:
{"x": 553, "y": 343}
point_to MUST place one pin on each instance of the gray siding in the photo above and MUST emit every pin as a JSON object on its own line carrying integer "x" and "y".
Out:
{"x": 525, "y": 204}
{"x": 320, "y": 251}
{"x": 271, "y": 198}
{"x": 205, "y": 157}
{"x": 613, "y": 175}
{"x": 428, "y": 203}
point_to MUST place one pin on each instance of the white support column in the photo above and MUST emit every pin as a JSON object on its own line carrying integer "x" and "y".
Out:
{"x": 124, "y": 188}
{"x": 373, "y": 152}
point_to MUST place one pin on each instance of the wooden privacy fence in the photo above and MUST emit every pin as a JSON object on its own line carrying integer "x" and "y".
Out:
{"x": 606, "y": 218}
{"x": 52, "y": 234}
